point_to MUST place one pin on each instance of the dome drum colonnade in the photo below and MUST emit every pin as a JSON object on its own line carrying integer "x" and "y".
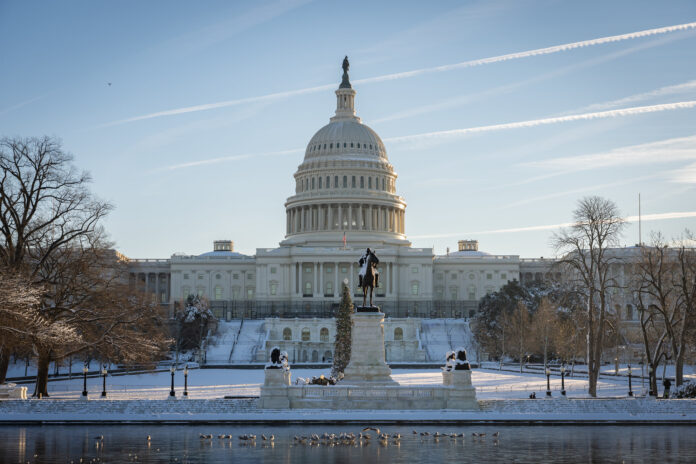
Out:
{"x": 345, "y": 184}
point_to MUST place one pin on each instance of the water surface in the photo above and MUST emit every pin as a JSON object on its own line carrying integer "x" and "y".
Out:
{"x": 182, "y": 443}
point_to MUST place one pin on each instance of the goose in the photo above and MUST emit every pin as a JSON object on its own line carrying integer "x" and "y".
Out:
{"x": 496, "y": 434}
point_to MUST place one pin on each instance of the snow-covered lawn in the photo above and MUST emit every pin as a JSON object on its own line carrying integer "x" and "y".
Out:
{"x": 216, "y": 383}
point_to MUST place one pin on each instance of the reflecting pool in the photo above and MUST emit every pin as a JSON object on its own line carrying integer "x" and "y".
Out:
{"x": 183, "y": 443}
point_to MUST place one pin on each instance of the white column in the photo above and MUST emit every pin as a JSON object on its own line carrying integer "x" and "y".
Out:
{"x": 316, "y": 279}
{"x": 350, "y": 217}
{"x": 320, "y": 267}
{"x": 369, "y": 217}
{"x": 336, "y": 292}
{"x": 158, "y": 298}
{"x": 350, "y": 279}
{"x": 360, "y": 218}
{"x": 340, "y": 217}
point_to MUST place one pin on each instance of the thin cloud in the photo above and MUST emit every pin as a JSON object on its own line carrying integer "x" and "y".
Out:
{"x": 436, "y": 136}
{"x": 21, "y": 104}
{"x": 644, "y": 218}
{"x": 416, "y": 72}
{"x": 589, "y": 188}
{"x": 663, "y": 151}
{"x": 685, "y": 175}
{"x": 530, "y": 53}
{"x": 685, "y": 87}
{"x": 224, "y": 159}
{"x": 507, "y": 88}
{"x": 544, "y": 121}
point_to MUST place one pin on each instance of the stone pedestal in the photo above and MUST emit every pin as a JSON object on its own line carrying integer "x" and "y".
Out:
{"x": 367, "y": 364}
{"x": 13, "y": 392}
{"x": 446, "y": 377}
{"x": 274, "y": 391}
{"x": 462, "y": 394}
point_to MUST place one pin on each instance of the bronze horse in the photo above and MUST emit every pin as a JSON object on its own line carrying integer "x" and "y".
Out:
{"x": 371, "y": 278}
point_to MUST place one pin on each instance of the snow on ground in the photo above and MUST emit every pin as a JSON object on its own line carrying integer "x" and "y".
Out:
{"x": 216, "y": 383}
{"x": 251, "y": 339}
{"x": 438, "y": 336}
{"x": 220, "y": 344}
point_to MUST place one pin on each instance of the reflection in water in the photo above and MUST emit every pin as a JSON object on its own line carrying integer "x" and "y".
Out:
{"x": 129, "y": 443}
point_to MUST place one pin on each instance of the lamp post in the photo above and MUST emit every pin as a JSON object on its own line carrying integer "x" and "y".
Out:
{"x": 548, "y": 381}
{"x": 563, "y": 392}
{"x": 171, "y": 392}
{"x": 630, "y": 389}
{"x": 103, "y": 373}
{"x": 186, "y": 380}
{"x": 85, "y": 369}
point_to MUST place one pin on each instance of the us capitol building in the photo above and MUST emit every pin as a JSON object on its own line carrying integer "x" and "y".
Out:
{"x": 344, "y": 187}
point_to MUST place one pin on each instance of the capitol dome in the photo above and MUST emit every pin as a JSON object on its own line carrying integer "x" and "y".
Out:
{"x": 345, "y": 184}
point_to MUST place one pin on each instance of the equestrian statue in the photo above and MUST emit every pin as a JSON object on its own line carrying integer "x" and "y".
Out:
{"x": 368, "y": 277}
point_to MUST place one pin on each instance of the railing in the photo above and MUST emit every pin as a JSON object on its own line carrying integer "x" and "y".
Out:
{"x": 245, "y": 309}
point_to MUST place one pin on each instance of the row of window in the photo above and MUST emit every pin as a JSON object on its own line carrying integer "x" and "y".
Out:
{"x": 337, "y": 145}
{"x": 217, "y": 292}
{"x": 235, "y": 276}
{"x": 305, "y": 334}
{"x": 319, "y": 182}
{"x": 472, "y": 276}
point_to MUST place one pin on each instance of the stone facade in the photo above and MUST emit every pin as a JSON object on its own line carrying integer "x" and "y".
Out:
{"x": 311, "y": 340}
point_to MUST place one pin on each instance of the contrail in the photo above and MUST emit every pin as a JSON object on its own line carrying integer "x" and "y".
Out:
{"x": 662, "y": 91}
{"x": 471, "y": 130}
{"x": 529, "y": 53}
{"x": 230, "y": 158}
{"x": 546, "y": 121}
{"x": 645, "y": 217}
{"x": 417, "y": 72}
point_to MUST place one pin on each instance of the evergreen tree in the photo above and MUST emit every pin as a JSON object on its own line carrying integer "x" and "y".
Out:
{"x": 343, "y": 333}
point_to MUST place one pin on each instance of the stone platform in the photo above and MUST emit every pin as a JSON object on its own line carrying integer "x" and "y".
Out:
{"x": 523, "y": 411}
{"x": 367, "y": 382}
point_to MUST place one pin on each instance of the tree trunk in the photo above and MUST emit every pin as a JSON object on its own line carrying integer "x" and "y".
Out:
{"x": 43, "y": 363}
{"x": 4, "y": 364}
{"x": 679, "y": 368}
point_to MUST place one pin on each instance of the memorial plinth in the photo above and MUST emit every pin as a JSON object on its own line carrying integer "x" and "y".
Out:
{"x": 367, "y": 363}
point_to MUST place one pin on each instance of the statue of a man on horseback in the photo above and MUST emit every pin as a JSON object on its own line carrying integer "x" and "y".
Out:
{"x": 368, "y": 277}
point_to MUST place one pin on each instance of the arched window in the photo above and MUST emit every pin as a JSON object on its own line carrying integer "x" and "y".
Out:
{"x": 362, "y": 182}
{"x": 352, "y": 182}
{"x": 383, "y": 184}
{"x": 218, "y": 292}
{"x": 398, "y": 333}
{"x": 324, "y": 334}
{"x": 335, "y": 182}
{"x": 345, "y": 181}
{"x": 629, "y": 312}
{"x": 304, "y": 355}
{"x": 320, "y": 182}
{"x": 315, "y": 356}
{"x": 287, "y": 333}
{"x": 369, "y": 182}
{"x": 312, "y": 183}
{"x": 305, "y": 334}
{"x": 327, "y": 355}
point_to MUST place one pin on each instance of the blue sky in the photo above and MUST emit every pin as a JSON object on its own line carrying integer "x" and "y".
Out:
{"x": 212, "y": 103}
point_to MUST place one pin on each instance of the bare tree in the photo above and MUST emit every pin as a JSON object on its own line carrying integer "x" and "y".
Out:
{"x": 19, "y": 317}
{"x": 586, "y": 260}
{"x": 44, "y": 206}
{"x": 50, "y": 233}
{"x": 665, "y": 290}
{"x": 517, "y": 326}
{"x": 545, "y": 323}
{"x": 685, "y": 283}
